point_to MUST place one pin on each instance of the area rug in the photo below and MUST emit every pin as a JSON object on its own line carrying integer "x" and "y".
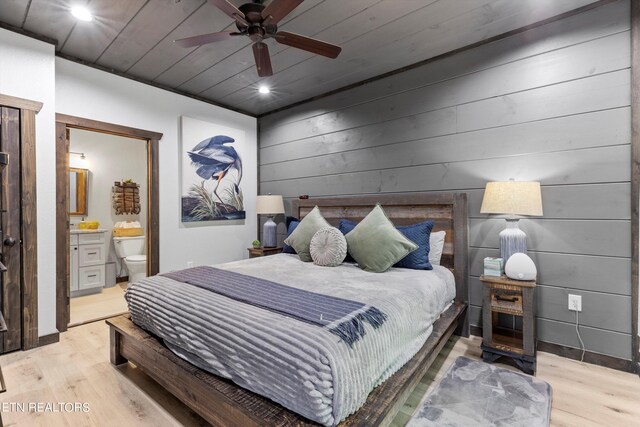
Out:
{"x": 474, "y": 393}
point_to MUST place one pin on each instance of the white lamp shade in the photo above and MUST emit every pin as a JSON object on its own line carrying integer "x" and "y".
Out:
{"x": 270, "y": 205}
{"x": 512, "y": 198}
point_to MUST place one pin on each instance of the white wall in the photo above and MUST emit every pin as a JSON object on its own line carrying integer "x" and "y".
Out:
{"x": 27, "y": 70}
{"x": 90, "y": 93}
{"x": 109, "y": 158}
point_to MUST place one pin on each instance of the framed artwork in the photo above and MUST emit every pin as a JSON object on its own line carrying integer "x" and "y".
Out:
{"x": 211, "y": 157}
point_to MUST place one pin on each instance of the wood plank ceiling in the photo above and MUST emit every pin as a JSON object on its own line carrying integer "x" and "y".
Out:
{"x": 135, "y": 37}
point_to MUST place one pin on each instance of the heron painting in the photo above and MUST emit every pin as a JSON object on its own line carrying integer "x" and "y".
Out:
{"x": 212, "y": 174}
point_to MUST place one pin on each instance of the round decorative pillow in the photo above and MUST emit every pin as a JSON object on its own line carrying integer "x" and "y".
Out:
{"x": 328, "y": 247}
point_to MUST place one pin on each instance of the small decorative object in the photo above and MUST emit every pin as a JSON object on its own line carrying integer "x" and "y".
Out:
{"x": 93, "y": 225}
{"x": 256, "y": 244}
{"x": 512, "y": 198}
{"x": 328, "y": 247}
{"x": 88, "y": 225}
{"x": 520, "y": 267}
{"x": 493, "y": 266}
{"x": 126, "y": 197}
{"x": 127, "y": 229}
{"x": 269, "y": 205}
{"x": 212, "y": 170}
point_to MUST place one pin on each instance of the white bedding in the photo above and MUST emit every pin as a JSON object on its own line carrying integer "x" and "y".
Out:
{"x": 301, "y": 366}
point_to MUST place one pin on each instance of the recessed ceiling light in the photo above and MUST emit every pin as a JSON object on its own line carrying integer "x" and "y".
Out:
{"x": 264, "y": 89}
{"x": 82, "y": 13}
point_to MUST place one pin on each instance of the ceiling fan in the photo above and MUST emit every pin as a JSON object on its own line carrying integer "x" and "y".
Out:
{"x": 260, "y": 22}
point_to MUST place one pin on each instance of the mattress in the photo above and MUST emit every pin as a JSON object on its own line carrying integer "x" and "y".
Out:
{"x": 301, "y": 366}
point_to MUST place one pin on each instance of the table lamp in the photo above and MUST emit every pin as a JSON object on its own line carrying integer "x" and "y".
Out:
{"x": 269, "y": 205}
{"x": 512, "y": 198}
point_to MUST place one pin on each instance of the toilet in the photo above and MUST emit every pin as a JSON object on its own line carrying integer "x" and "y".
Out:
{"x": 131, "y": 251}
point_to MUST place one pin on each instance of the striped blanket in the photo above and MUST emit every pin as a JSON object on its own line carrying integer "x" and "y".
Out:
{"x": 302, "y": 366}
{"x": 341, "y": 317}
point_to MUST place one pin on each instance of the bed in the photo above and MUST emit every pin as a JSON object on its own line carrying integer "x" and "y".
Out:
{"x": 222, "y": 402}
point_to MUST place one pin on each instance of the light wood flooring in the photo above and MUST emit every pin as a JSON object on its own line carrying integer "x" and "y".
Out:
{"x": 108, "y": 303}
{"x": 584, "y": 395}
{"x": 77, "y": 369}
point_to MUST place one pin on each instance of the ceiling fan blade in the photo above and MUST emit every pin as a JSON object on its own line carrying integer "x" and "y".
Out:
{"x": 307, "y": 43}
{"x": 227, "y": 7}
{"x": 263, "y": 62}
{"x": 278, "y": 9}
{"x": 204, "y": 39}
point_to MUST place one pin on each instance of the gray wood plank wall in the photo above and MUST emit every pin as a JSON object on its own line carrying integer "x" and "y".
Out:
{"x": 550, "y": 104}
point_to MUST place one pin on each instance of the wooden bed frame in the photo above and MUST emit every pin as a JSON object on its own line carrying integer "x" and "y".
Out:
{"x": 222, "y": 403}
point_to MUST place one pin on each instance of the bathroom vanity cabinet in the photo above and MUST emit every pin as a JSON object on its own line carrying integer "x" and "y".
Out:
{"x": 88, "y": 257}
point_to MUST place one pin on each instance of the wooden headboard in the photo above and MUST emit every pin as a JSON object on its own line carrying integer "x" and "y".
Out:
{"x": 447, "y": 210}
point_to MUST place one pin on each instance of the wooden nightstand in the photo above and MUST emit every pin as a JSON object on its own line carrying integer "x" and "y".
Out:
{"x": 504, "y": 296}
{"x": 261, "y": 251}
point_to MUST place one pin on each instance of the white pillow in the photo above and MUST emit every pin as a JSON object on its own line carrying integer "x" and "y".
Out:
{"x": 436, "y": 246}
{"x": 328, "y": 247}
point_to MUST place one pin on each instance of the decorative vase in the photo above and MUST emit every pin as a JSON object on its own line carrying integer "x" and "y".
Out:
{"x": 512, "y": 240}
{"x": 269, "y": 238}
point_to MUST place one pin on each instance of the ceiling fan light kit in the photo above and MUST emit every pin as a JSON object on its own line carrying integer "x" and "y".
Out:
{"x": 260, "y": 22}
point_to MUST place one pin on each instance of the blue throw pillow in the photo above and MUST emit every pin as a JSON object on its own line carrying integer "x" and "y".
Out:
{"x": 418, "y": 233}
{"x": 289, "y": 219}
{"x": 292, "y": 224}
{"x": 346, "y": 226}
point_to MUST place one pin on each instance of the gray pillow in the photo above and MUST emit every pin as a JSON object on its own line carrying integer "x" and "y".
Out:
{"x": 376, "y": 244}
{"x": 301, "y": 237}
{"x": 328, "y": 247}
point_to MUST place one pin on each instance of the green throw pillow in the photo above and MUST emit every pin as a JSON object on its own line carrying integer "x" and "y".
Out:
{"x": 300, "y": 239}
{"x": 376, "y": 244}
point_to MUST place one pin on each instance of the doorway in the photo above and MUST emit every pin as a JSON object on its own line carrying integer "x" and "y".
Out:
{"x": 107, "y": 217}
{"x": 107, "y": 193}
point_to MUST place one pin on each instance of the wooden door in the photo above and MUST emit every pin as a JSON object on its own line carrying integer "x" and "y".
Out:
{"x": 10, "y": 189}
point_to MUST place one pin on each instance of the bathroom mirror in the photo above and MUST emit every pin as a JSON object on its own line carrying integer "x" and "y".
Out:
{"x": 78, "y": 183}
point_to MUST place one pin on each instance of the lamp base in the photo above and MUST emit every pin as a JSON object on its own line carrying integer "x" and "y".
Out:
{"x": 269, "y": 239}
{"x": 512, "y": 240}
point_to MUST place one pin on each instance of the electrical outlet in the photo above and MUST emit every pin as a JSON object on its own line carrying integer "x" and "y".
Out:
{"x": 189, "y": 264}
{"x": 575, "y": 302}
